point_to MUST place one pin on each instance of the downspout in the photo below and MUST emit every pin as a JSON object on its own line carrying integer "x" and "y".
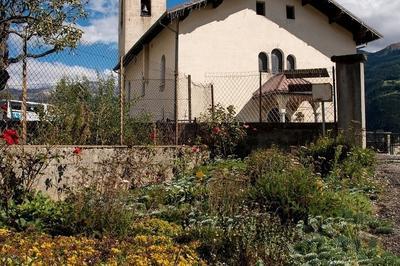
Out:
{"x": 176, "y": 82}
{"x": 176, "y": 77}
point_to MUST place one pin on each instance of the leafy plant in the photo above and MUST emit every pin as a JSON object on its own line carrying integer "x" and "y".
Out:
{"x": 338, "y": 241}
{"x": 84, "y": 112}
{"x": 221, "y": 131}
{"x": 19, "y": 170}
{"x": 38, "y": 213}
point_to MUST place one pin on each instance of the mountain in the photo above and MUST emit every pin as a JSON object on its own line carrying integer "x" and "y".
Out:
{"x": 41, "y": 95}
{"x": 382, "y": 84}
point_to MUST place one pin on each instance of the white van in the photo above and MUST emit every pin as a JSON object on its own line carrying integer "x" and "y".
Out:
{"x": 11, "y": 110}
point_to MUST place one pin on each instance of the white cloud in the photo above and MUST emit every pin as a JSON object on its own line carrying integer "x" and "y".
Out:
{"x": 103, "y": 6}
{"x": 45, "y": 74}
{"x": 102, "y": 30}
{"x": 382, "y": 15}
{"x": 102, "y": 23}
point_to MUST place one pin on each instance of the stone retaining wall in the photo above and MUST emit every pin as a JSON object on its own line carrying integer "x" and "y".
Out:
{"x": 68, "y": 167}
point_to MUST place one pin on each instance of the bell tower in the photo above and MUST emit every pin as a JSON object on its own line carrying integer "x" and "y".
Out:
{"x": 135, "y": 18}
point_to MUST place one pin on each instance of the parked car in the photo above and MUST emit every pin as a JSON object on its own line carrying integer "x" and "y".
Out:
{"x": 11, "y": 110}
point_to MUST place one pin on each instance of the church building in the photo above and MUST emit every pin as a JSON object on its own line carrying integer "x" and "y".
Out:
{"x": 210, "y": 39}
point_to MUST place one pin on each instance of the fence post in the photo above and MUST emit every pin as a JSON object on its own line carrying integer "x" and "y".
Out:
{"x": 212, "y": 102}
{"x": 190, "y": 97}
{"x": 121, "y": 92}
{"x": 260, "y": 99}
{"x": 323, "y": 119}
{"x": 24, "y": 92}
{"x": 388, "y": 143}
{"x": 334, "y": 94}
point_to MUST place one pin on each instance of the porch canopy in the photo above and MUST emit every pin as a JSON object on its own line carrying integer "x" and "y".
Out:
{"x": 285, "y": 92}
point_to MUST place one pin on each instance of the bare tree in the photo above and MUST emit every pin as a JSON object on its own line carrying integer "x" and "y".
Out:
{"x": 51, "y": 24}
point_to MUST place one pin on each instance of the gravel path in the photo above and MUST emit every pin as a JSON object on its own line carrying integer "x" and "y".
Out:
{"x": 388, "y": 171}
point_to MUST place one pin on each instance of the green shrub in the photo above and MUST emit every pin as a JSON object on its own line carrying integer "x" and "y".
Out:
{"x": 227, "y": 191}
{"x": 351, "y": 205}
{"x": 290, "y": 193}
{"x": 324, "y": 153}
{"x": 267, "y": 161}
{"x": 245, "y": 239}
{"x": 37, "y": 212}
{"x": 221, "y": 131}
{"x": 337, "y": 241}
{"x": 97, "y": 213}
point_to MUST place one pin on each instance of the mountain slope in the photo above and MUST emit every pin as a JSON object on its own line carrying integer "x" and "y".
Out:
{"x": 383, "y": 89}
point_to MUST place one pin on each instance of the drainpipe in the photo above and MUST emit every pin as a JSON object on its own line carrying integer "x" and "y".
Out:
{"x": 176, "y": 74}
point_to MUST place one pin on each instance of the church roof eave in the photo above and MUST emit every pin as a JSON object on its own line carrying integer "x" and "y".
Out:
{"x": 362, "y": 33}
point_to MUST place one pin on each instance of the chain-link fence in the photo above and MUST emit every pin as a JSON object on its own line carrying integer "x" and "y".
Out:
{"x": 91, "y": 61}
{"x": 285, "y": 97}
{"x": 158, "y": 105}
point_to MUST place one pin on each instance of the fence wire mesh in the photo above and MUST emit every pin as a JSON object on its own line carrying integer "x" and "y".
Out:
{"x": 284, "y": 97}
{"x": 80, "y": 93}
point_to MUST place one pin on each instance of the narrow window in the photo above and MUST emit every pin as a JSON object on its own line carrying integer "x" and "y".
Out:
{"x": 162, "y": 74}
{"x": 145, "y": 8}
{"x": 260, "y": 8}
{"x": 277, "y": 61}
{"x": 290, "y": 13}
{"x": 262, "y": 62}
{"x": 291, "y": 62}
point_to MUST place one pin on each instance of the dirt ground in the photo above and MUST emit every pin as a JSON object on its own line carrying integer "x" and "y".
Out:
{"x": 388, "y": 205}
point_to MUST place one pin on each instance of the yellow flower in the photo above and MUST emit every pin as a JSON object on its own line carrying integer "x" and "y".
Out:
{"x": 200, "y": 174}
{"x": 320, "y": 184}
{"x": 115, "y": 251}
{"x": 4, "y": 232}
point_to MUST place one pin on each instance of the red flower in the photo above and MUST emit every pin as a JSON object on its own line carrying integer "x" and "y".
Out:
{"x": 254, "y": 129}
{"x": 3, "y": 107}
{"x": 195, "y": 149}
{"x": 153, "y": 136}
{"x": 10, "y": 136}
{"x": 77, "y": 151}
{"x": 216, "y": 130}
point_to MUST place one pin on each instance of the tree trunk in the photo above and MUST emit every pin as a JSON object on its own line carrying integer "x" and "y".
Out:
{"x": 4, "y": 76}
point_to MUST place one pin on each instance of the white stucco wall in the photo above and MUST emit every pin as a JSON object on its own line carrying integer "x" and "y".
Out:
{"x": 134, "y": 25}
{"x": 221, "y": 46}
{"x": 156, "y": 102}
{"x": 229, "y": 38}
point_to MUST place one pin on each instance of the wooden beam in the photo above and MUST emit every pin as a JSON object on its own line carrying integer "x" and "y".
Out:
{"x": 360, "y": 34}
{"x": 335, "y": 17}
{"x": 184, "y": 16}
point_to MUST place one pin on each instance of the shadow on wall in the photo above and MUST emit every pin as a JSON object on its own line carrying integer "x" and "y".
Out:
{"x": 311, "y": 36}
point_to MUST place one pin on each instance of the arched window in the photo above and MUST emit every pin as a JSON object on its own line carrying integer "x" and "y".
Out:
{"x": 291, "y": 62}
{"x": 162, "y": 74}
{"x": 262, "y": 62}
{"x": 277, "y": 61}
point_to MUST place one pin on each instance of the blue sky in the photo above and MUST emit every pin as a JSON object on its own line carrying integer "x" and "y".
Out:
{"x": 99, "y": 49}
{"x": 99, "y": 52}
{"x": 101, "y": 25}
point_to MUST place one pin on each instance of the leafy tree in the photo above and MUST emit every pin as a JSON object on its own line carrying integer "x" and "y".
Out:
{"x": 84, "y": 112}
{"x": 49, "y": 25}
